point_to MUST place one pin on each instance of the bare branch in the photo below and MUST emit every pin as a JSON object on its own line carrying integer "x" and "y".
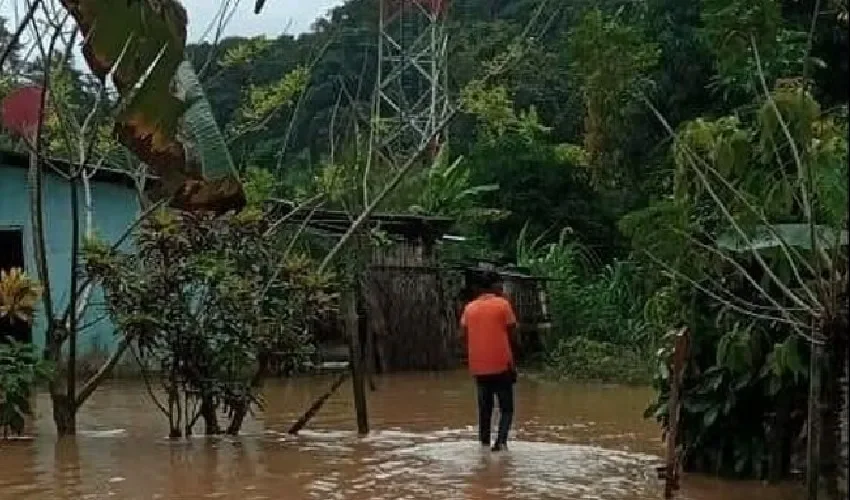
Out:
{"x": 370, "y": 208}
{"x": 127, "y": 232}
{"x": 803, "y": 171}
{"x": 147, "y": 381}
{"x": 740, "y": 196}
{"x": 285, "y": 255}
{"x": 807, "y": 63}
{"x": 104, "y": 371}
{"x": 221, "y": 20}
{"x": 89, "y": 324}
{"x": 332, "y": 125}
{"x": 35, "y": 179}
{"x": 292, "y": 213}
{"x": 797, "y": 326}
{"x": 16, "y": 37}
{"x": 739, "y": 268}
{"x": 693, "y": 159}
{"x": 299, "y": 103}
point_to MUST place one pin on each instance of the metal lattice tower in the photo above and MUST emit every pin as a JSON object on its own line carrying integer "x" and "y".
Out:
{"x": 412, "y": 101}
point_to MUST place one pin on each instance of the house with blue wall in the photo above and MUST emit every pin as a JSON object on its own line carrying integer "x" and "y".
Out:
{"x": 115, "y": 206}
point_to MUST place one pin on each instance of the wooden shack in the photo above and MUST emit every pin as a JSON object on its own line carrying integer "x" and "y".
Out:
{"x": 406, "y": 302}
{"x": 409, "y": 300}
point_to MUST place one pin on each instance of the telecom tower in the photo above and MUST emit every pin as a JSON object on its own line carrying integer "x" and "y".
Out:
{"x": 412, "y": 102}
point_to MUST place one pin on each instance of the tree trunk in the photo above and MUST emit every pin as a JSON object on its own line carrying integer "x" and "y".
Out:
{"x": 53, "y": 344}
{"x": 174, "y": 412}
{"x": 364, "y": 333}
{"x": 370, "y": 358}
{"x": 73, "y": 319}
{"x": 829, "y": 424}
{"x": 264, "y": 359}
{"x": 64, "y": 415}
{"x": 833, "y": 465}
{"x": 376, "y": 329}
{"x": 239, "y": 414}
{"x": 208, "y": 413}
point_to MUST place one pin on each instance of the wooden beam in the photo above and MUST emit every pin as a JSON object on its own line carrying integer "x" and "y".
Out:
{"x": 316, "y": 406}
{"x": 352, "y": 331}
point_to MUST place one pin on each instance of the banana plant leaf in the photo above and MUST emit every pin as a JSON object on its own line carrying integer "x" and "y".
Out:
{"x": 219, "y": 189}
{"x": 151, "y": 35}
{"x": 796, "y": 235}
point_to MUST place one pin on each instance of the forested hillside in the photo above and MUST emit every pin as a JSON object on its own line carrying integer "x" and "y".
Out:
{"x": 577, "y": 84}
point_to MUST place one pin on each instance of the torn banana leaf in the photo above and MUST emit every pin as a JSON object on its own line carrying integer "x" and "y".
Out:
{"x": 147, "y": 41}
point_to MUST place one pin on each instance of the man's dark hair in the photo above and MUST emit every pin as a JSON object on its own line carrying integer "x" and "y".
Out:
{"x": 487, "y": 282}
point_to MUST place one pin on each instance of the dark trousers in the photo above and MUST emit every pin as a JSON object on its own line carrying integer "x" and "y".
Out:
{"x": 501, "y": 387}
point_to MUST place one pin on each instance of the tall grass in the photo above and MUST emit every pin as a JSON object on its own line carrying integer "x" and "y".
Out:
{"x": 600, "y": 329}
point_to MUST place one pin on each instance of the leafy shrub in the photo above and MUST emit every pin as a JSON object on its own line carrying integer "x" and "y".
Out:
{"x": 21, "y": 367}
{"x": 580, "y": 358}
{"x": 736, "y": 383}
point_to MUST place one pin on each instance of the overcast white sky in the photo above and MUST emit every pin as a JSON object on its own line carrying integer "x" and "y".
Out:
{"x": 277, "y": 17}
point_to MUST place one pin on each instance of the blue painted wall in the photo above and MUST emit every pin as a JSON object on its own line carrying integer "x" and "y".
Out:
{"x": 115, "y": 207}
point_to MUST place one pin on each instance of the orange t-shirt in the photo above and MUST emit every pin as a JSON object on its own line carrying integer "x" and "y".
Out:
{"x": 486, "y": 320}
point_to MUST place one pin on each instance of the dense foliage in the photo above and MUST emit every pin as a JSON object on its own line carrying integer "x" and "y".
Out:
{"x": 605, "y": 329}
{"x": 620, "y": 156}
{"x": 21, "y": 366}
{"x": 665, "y": 163}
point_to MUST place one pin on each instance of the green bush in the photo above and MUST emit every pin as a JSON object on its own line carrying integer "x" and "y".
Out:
{"x": 739, "y": 379}
{"x": 21, "y": 367}
{"x": 605, "y": 326}
{"x": 584, "y": 359}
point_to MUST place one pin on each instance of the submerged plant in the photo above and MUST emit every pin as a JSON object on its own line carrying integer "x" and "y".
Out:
{"x": 21, "y": 367}
{"x": 18, "y": 296}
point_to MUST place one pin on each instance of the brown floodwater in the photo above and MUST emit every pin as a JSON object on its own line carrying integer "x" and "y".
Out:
{"x": 570, "y": 441}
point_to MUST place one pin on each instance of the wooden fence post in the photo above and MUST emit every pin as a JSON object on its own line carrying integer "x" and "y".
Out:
{"x": 844, "y": 432}
{"x": 680, "y": 357}
{"x": 352, "y": 331}
{"x": 814, "y": 423}
{"x": 370, "y": 311}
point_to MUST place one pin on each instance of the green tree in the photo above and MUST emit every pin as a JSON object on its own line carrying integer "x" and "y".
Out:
{"x": 214, "y": 306}
{"x": 612, "y": 61}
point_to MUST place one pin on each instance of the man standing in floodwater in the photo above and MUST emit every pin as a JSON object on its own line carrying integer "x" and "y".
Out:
{"x": 489, "y": 323}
